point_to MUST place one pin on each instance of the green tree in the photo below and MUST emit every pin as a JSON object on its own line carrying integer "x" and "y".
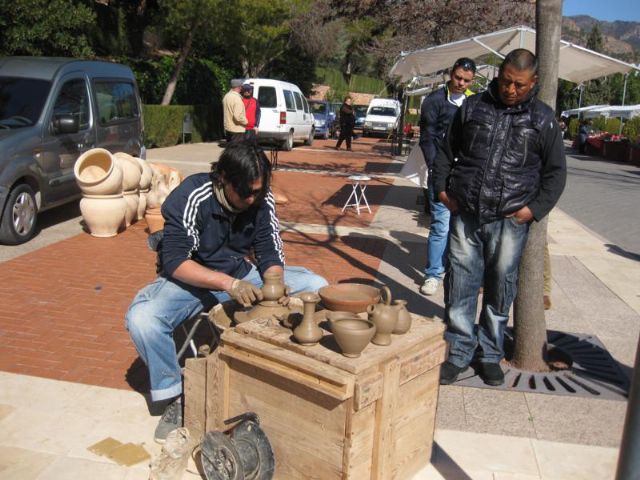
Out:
{"x": 595, "y": 41}
{"x": 45, "y": 27}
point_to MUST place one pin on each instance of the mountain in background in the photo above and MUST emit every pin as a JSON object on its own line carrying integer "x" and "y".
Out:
{"x": 621, "y": 39}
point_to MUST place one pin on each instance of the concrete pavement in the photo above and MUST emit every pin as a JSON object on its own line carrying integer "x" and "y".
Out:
{"x": 47, "y": 424}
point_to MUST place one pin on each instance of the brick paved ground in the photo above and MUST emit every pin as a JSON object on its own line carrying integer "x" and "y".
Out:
{"x": 63, "y": 305}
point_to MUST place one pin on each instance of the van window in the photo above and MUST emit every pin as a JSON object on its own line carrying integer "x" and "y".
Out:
{"x": 22, "y": 101}
{"x": 267, "y": 97}
{"x": 319, "y": 108}
{"x": 73, "y": 100}
{"x": 384, "y": 111}
{"x": 298, "y": 100}
{"x": 288, "y": 100}
{"x": 116, "y": 101}
{"x": 306, "y": 105}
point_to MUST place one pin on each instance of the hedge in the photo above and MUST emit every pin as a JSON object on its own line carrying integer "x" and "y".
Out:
{"x": 163, "y": 124}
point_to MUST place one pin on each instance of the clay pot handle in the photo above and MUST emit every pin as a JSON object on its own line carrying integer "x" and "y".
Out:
{"x": 387, "y": 294}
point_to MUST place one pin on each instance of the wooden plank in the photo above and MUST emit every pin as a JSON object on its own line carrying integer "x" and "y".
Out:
{"x": 195, "y": 394}
{"x": 309, "y": 372}
{"x": 425, "y": 359}
{"x": 367, "y": 390}
{"x": 305, "y": 428}
{"x": 358, "y": 453}
{"x": 385, "y": 407}
{"x": 217, "y": 392}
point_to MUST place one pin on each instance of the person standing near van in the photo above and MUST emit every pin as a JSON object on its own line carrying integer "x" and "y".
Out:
{"x": 436, "y": 114}
{"x": 347, "y": 122}
{"x": 235, "y": 119}
{"x": 251, "y": 110}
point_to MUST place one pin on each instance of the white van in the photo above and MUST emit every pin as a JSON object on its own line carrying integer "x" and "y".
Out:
{"x": 382, "y": 116}
{"x": 285, "y": 116}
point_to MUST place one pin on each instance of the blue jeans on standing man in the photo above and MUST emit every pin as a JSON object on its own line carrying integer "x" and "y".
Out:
{"x": 438, "y": 235}
{"x": 481, "y": 254}
{"x": 160, "y": 307}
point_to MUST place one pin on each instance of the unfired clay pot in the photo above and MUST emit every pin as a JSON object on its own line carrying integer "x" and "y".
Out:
{"x": 103, "y": 214}
{"x": 273, "y": 287}
{"x": 132, "y": 207}
{"x": 352, "y": 334}
{"x": 154, "y": 219}
{"x": 142, "y": 203}
{"x": 385, "y": 317}
{"x": 308, "y": 332}
{"x": 98, "y": 173}
{"x": 131, "y": 171}
{"x": 404, "y": 317}
{"x": 349, "y": 297}
{"x": 147, "y": 173}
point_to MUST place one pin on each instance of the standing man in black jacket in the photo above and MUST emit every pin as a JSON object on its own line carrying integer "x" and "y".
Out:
{"x": 436, "y": 113}
{"x": 502, "y": 167}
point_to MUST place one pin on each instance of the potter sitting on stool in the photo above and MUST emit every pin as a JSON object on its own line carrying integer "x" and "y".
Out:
{"x": 212, "y": 223}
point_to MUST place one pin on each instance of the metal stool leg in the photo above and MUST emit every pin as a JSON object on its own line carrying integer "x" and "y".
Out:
{"x": 190, "y": 333}
{"x": 353, "y": 193}
{"x": 363, "y": 187}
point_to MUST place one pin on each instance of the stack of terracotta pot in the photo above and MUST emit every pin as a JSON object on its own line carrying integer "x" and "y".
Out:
{"x": 163, "y": 181}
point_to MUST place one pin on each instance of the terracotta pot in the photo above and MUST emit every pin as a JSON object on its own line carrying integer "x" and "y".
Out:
{"x": 404, "y": 317}
{"x": 142, "y": 203}
{"x": 132, "y": 207}
{"x": 131, "y": 171}
{"x": 98, "y": 173}
{"x": 349, "y": 297}
{"x": 154, "y": 219}
{"x": 308, "y": 332}
{"x": 352, "y": 335}
{"x": 273, "y": 287}
{"x": 103, "y": 214}
{"x": 147, "y": 173}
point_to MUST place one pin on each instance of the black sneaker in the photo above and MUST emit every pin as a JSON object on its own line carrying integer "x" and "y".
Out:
{"x": 449, "y": 373}
{"x": 491, "y": 374}
{"x": 170, "y": 420}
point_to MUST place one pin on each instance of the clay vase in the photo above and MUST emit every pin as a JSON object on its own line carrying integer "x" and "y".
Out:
{"x": 404, "y": 317}
{"x": 97, "y": 172}
{"x": 308, "y": 332}
{"x": 103, "y": 214}
{"x": 273, "y": 287}
{"x": 131, "y": 171}
{"x": 352, "y": 334}
{"x": 142, "y": 203}
{"x": 147, "y": 173}
{"x": 384, "y": 316}
{"x": 131, "y": 214}
{"x": 155, "y": 220}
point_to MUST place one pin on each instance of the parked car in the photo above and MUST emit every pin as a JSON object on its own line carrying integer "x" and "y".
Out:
{"x": 51, "y": 111}
{"x": 382, "y": 116}
{"x": 285, "y": 116}
{"x": 360, "y": 113}
{"x": 324, "y": 118}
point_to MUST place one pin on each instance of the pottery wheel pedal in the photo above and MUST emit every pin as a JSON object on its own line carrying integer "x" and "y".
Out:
{"x": 241, "y": 453}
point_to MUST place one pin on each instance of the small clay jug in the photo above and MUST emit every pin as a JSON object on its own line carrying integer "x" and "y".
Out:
{"x": 308, "y": 332}
{"x": 273, "y": 287}
{"x": 384, "y": 316}
{"x": 404, "y": 317}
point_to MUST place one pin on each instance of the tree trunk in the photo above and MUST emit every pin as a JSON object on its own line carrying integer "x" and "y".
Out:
{"x": 530, "y": 328}
{"x": 184, "y": 53}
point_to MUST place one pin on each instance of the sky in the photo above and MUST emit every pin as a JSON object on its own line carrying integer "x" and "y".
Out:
{"x": 609, "y": 10}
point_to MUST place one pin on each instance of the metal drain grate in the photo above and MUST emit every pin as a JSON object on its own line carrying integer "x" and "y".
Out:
{"x": 594, "y": 373}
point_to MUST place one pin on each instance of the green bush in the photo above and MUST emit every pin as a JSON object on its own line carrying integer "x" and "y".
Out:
{"x": 163, "y": 124}
{"x": 631, "y": 130}
{"x": 572, "y": 129}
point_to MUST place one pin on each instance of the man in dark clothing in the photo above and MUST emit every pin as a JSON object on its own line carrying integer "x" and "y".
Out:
{"x": 347, "y": 122}
{"x": 213, "y": 222}
{"x": 435, "y": 116}
{"x": 502, "y": 167}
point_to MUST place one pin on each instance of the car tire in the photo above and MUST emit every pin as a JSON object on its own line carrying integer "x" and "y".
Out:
{"x": 309, "y": 140}
{"x": 18, "y": 223}
{"x": 287, "y": 145}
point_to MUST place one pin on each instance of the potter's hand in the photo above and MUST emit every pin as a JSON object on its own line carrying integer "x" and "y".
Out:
{"x": 284, "y": 300}
{"x": 245, "y": 293}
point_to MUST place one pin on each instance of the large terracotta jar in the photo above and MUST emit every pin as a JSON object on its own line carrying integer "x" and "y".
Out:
{"x": 154, "y": 219}
{"x": 103, "y": 214}
{"x": 97, "y": 172}
{"x": 131, "y": 171}
{"x": 131, "y": 198}
{"x": 147, "y": 173}
{"x": 142, "y": 203}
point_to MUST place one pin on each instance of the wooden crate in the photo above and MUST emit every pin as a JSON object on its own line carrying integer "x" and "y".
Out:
{"x": 327, "y": 416}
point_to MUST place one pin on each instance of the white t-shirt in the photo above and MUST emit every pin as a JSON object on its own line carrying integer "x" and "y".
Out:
{"x": 457, "y": 98}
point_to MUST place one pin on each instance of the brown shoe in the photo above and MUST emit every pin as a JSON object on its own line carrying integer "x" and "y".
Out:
{"x": 547, "y": 301}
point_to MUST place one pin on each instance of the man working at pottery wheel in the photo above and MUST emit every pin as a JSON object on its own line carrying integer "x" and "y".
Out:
{"x": 213, "y": 222}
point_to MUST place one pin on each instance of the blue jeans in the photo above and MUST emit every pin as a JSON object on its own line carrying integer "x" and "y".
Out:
{"x": 438, "y": 236}
{"x": 488, "y": 253}
{"x": 160, "y": 307}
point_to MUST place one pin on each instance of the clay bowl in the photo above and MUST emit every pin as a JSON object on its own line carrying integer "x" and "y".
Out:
{"x": 349, "y": 297}
{"x": 352, "y": 335}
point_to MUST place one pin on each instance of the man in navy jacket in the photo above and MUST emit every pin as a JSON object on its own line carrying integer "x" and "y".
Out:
{"x": 213, "y": 223}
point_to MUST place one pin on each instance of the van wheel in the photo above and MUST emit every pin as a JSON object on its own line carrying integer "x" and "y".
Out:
{"x": 19, "y": 216}
{"x": 309, "y": 140}
{"x": 287, "y": 145}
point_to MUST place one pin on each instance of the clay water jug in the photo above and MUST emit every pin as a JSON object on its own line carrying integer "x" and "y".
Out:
{"x": 308, "y": 332}
{"x": 97, "y": 172}
{"x": 384, "y": 316}
{"x": 404, "y": 317}
{"x": 273, "y": 287}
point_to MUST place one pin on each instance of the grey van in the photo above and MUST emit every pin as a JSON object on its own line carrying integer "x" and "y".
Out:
{"x": 51, "y": 111}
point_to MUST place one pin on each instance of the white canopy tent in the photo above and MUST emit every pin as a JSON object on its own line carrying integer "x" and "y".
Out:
{"x": 582, "y": 110}
{"x": 626, "y": 111}
{"x": 577, "y": 64}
